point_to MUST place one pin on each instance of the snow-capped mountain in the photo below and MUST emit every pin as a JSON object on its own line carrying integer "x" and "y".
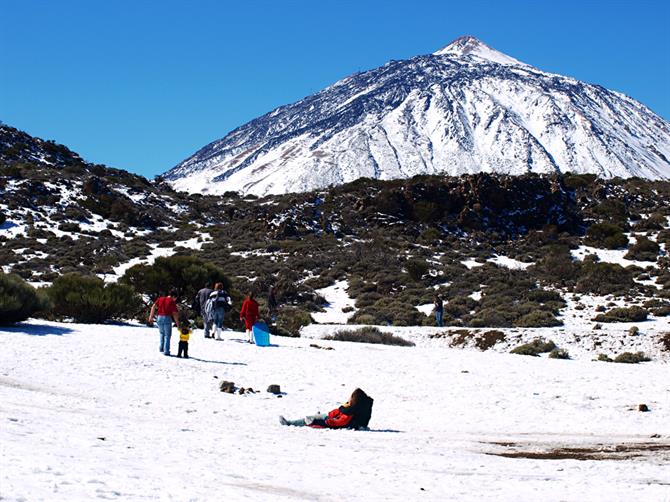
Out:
{"x": 463, "y": 109}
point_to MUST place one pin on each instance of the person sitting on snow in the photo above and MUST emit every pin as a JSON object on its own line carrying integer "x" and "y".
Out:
{"x": 354, "y": 414}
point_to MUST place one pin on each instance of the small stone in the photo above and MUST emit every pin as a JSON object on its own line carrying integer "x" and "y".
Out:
{"x": 242, "y": 390}
{"x": 274, "y": 389}
{"x": 226, "y": 386}
{"x": 642, "y": 407}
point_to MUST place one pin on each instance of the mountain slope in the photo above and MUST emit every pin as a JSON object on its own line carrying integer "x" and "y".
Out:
{"x": 463, "y": 109}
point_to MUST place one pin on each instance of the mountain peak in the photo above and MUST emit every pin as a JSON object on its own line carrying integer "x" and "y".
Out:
{"x": 471, "y": 46}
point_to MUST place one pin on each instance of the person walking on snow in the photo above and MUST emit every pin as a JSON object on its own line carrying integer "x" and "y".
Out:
{"x": 200, "y": 304}
{"x": 216, "y": 308}
{"x": 249, "y": 314}
{"x": 165, "y": 307}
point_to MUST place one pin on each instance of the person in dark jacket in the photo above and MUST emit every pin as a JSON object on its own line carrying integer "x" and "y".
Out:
{"x": 354, "y": 414}
{"x": 438, "y": 307}
{"x": 216, "y": 308}
{"x": 249, "y": 314}
{"x": 200, "y": 304}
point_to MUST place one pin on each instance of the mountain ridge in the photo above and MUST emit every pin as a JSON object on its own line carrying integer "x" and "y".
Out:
{"x": 435, "y": 114}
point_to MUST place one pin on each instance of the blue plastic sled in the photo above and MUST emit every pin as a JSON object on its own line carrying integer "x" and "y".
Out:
{"x": 261, "y": 334}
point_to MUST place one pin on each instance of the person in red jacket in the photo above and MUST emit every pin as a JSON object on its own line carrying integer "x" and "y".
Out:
{"x": 249, "y": 314}
{"x": 354, "y": 414}
{"x": 166, "y": 309}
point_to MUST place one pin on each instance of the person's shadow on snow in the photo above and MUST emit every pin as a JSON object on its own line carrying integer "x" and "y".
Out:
{"x": 36, "y": 330}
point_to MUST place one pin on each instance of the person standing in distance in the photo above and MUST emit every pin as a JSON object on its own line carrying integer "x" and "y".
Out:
{"x": 216, "y": 308}
{"x": 439, "y": 309}
{"x": 201, "y": 304}
{"x": 165, "y": 307}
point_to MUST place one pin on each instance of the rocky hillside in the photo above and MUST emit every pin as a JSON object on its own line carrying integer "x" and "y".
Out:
{"x": 504, "y": 251}
{"x": 466, "y": 108}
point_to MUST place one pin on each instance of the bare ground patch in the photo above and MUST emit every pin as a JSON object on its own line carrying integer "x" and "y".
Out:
{"x": 658, "y": 451}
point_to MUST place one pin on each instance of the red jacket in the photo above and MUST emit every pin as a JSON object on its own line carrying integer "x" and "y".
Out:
{"x": 249, "y": 312}
{"x": 339, "y": 418}
{"x": 165, "y": 306}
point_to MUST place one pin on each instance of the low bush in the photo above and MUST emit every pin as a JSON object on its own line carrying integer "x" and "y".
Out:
{"x": 538, "y": 319}
{"x": 534, "y": 348}
{"x": 369, "y": 334}
{"x": 18, "y": 299}
{"x": 604, "y": 358}
{"x": 559, "y": 354}
{"x": 606, "y": 235}
{"x": 290, "y": 320}
{"x": 631, "y": 358}
{"x": 644, "y": 250}
{"x": 89, "y": 300}
{"x": 623, "y": 314}
{"x": 604, "y": 279}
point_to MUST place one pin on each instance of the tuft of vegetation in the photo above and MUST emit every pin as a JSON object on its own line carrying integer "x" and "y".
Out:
{"x": 289, "y": 321}
{"x": 631, "y": 358}
{"x": 644, "y": 250}
{"x": 604, "y": 358}
{"x": 607, "y": 235}
{"x": 370, "y": 334}
{"x": 18, "y": 299}
{"x": 534, "y": 348}
{"x": 538, "y": 319}
{"x": 88, "y": 299}
{"x": 559, "y": 354}
{"x": 623, "y": 314}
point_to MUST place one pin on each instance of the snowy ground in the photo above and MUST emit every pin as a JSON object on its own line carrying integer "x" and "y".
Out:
{"x": 93, "y": 412}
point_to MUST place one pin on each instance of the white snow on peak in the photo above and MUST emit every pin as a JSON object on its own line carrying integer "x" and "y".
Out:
{"x": 471, "y": 46}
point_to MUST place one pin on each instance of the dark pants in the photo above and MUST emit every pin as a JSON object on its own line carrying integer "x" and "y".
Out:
{"x": 183, "y": 347}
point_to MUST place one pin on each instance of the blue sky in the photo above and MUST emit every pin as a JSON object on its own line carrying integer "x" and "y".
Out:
{"x": 142, "y": 85}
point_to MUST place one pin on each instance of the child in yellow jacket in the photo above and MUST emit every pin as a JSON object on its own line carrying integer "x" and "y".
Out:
{"x": 184, "y": 334}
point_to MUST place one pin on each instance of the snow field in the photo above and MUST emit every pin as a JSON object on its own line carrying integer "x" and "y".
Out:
{"x": 97, "y": 412}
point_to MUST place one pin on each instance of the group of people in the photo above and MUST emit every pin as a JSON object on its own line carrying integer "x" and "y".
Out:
{"x": 212, "y": 304}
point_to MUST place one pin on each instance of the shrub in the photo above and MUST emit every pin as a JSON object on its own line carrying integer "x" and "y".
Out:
{"x": 604, "y": 279}
{"x": 631, "y": 358}
{"x": 186, "y": 274}
{"x": 623, "y": 314}
{"x": 534, "y": 348}
{"x": 538, "y": 319}
{"x": 290, "y": 320}
{"x": 18, "y": 299}
{"x": 416, "y": 268}
{"x": 604, "y": 358}
{"x": 644, "y": 249}
{"x": 559, "y": 354}
{"x": 89, "y": 300}
{"x": 369, "y": 334}
{"x": 607, "y": 235}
